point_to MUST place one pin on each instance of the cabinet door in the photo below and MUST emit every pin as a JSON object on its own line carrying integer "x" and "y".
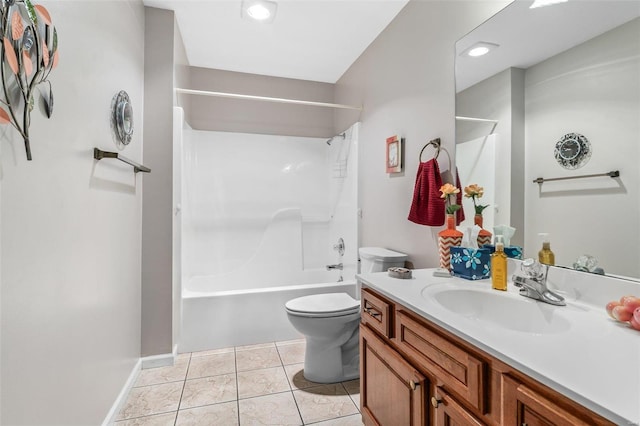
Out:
{"x": 524, "y": 406}
{"x": 449, "y": 413}
{"x": 392, "y": 392}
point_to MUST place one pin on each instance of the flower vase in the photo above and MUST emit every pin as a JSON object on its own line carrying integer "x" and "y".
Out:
{"x": 446, "y": 239}
{"x": 484, "y": 236}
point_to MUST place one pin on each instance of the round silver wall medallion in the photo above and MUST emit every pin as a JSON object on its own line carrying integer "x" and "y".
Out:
{"x": 122, "y": 117}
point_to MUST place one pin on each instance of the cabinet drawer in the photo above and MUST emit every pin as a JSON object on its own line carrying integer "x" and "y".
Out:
{"x": 457, "y": 370}
{"x": 376, "y": 313}
{"x": 523, "y": 405}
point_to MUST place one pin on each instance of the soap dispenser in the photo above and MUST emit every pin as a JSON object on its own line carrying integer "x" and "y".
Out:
{"x": 545, "y": 255}
{"x": 499, "y": 266}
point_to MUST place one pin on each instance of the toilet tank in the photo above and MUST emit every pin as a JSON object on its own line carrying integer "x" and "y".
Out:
{"x": 378, "y": 259}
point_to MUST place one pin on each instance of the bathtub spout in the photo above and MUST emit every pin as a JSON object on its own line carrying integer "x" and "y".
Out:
{"x": 336, "y": 266}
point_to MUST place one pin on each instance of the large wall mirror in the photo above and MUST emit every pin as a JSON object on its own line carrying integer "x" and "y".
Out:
{"x": 553, "y": 73}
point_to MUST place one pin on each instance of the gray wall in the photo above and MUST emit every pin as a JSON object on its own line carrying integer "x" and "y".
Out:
{"x": 592, "y": 89}
{"x": 166, "y": 67}
{"x": 233, "y": 115}
{"x": 518, "y": 183}
{"x": 157, "y": 216}
{"x": 70, "y": 229}
{"x": 405, "y": 81}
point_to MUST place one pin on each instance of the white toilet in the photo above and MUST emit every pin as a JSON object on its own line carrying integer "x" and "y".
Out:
{"x": 330, "y": 322}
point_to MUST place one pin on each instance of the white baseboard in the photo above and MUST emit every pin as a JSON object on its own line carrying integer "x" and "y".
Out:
{"x": 122, "y": 396}
{"x": 142, "y": 363}
{"x": 162, "y": 360}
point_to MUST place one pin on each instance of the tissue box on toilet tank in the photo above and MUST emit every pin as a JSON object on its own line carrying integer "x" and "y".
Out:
{"x": 514, "y": 252}
{"x": 470, "y": 263}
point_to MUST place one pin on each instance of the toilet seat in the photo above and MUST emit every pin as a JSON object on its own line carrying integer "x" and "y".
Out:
{"x": 323, "y": 305}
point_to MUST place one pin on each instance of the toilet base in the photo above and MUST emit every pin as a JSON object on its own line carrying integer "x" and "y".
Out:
{"x": 323, "y": 364}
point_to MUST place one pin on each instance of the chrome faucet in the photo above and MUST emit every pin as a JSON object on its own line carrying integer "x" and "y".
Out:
{"x": 534, "y": 285}
{"x": 336, "y": 266}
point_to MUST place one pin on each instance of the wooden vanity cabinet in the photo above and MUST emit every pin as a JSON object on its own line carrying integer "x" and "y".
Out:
{"x": 449, "y": 412}
{"x": 412, "y": 372}
{"x": 454, "y": 367}
{"x": 392, "y": 391}
{"x": 377, "y": 313}
{"x": 524, "y": 405}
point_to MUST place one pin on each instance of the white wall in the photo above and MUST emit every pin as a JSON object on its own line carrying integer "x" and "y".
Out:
{"x": 592, "y": 89}
{"x": 70, "y": 229}
{"x": 405, "y": 82}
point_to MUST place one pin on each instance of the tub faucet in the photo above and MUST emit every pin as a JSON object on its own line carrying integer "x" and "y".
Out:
{"x": 336, "y": 266}
{"x": 534, "y": 285}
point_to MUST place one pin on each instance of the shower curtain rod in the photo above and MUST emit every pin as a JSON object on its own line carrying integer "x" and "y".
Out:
{"x": 264, "y": 98}
{"x": 481, "y": 120}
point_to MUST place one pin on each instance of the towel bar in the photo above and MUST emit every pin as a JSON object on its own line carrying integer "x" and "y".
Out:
{"x": 612, "y": 174}
{"x": 98, "y": 154}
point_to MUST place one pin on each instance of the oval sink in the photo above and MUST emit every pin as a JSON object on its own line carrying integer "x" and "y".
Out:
{"x": 506, "y": 310}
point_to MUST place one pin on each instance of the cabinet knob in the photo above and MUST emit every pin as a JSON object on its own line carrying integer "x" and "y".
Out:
{"x": 435, "y": 402}
{"x": 413, "y": 385}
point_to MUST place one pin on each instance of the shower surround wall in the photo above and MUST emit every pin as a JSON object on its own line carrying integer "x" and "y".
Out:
{"x": 263, "y": 212}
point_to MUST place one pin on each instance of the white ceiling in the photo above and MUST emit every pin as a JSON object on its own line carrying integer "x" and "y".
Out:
{"x": 315, "y": 40}
{"x": 528, "y": 36}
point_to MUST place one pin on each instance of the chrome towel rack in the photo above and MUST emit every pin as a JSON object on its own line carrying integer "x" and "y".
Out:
{"x": 611, "y": 174}
{"x": 98, "y": 154}
{"x": 437, "y": 144}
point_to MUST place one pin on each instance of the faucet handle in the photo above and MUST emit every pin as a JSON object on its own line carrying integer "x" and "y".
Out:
{"x": 339, "y": 247}
{"x": 532, "y": 268}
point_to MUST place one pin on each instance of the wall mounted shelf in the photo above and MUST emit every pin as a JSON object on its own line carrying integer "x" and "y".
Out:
{"x": 612, "y": 174}
{"x": 98, "y": 154}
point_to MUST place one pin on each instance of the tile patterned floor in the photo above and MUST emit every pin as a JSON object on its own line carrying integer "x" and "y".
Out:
{"x": 246, "y": 385}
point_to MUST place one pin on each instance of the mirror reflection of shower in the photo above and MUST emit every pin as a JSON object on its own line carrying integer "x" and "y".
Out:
{"x": 341, "y": 135}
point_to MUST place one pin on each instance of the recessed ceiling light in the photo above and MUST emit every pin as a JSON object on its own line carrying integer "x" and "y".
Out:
{"x": 479, "y": 49}
{"x": 542, "y": 3}
{"x": 259, "y": 10}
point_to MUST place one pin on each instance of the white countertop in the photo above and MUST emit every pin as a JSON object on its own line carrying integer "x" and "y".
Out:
{"x": 592, "y": 359}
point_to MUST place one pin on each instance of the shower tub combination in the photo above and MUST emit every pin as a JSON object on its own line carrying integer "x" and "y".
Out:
{"x": 217, "y": 318}
{"x": 242, "y": 262}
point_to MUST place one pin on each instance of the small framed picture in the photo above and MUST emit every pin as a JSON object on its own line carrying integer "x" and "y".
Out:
{"x": 394, "y": 154}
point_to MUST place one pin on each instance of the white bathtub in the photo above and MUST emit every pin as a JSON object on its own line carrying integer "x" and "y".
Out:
{"x": 218, "y": 319}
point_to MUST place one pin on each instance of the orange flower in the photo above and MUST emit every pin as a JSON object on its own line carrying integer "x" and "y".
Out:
{"x": 474, "y": 192}
{"x": 447, "y": 191}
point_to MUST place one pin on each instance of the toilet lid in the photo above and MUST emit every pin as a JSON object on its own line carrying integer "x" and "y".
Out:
{"x": 329, "y": 303}
{"x": 381, "y": 254}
